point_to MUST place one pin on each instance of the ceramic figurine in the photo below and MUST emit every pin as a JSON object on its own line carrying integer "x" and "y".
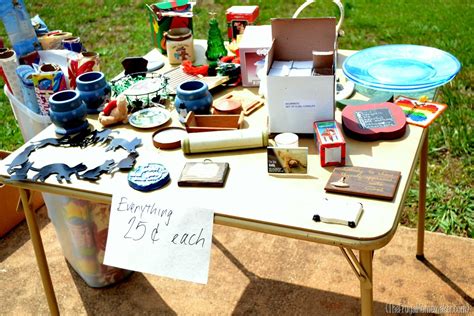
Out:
{"x": 115, "y": 112}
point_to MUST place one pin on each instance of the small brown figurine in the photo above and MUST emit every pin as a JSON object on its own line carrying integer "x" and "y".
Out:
{"x": 114, "y": 112}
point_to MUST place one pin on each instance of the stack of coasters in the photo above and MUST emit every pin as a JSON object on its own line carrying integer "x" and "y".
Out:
{"x": 205, "y": 174}
{"x": 148, "y": 177}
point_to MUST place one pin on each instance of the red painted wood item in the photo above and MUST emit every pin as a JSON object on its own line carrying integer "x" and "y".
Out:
{"x": 370, "y": 122}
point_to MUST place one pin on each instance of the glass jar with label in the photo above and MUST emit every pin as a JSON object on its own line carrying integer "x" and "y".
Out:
{"x": 179, "y": 45}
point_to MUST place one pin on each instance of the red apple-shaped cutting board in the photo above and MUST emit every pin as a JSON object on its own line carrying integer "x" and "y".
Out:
{"x": 371, "y": 122}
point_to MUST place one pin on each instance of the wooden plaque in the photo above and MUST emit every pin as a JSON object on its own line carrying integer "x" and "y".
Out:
{"x": 367, "y": 182}
{"x": 204, "y": 174}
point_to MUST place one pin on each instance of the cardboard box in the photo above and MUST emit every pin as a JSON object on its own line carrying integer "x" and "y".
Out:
{"x": 11, "y": 211}
{"x": 295, "y": 102}
{"x": 162, "y": 21}
{"x": 253, "y": 47}
{"x": 238, "y": 17}
{"x": 330, "y": 143}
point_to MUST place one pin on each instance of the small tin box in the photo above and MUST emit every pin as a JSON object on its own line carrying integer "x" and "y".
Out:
{"x": 330, "y": 142}
{"x": 238, "y": 17}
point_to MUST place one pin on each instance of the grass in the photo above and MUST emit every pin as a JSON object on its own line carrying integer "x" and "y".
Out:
{"x": 119, "y": 28}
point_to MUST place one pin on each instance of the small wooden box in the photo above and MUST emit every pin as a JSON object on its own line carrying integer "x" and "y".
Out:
{"x": 208, "y": 123}
{"x": 330, "y": 142}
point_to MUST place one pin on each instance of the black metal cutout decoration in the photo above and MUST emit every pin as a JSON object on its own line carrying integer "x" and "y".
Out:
{"x": 94, "y": 174}
{"x": 61, "y": 170}
{"x": 129, "y": 146}
{"x": 128, "y": 163}
{"x": 22, "y": 172}
{"x": 49, "y": 141}
{"x": 21, "y": 159}
{"x": 102, "y": 136}
{"x": 21, "y": 165}
{"x": 81, "y": 139}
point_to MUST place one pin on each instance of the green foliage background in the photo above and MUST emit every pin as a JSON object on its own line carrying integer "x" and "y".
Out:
{"x": 120, "y": 28}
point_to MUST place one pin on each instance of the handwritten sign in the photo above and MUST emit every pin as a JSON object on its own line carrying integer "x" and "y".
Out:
{"x": 368, "y": 182}
{"x": 375, "y": 118}
{"x": 153, "y": 236}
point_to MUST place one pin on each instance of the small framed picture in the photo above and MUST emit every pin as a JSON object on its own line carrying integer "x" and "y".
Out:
{"x": 284, "y": 160}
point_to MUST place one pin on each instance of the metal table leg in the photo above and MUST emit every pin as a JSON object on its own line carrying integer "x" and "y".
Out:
{"x": 366, "y": 288}
{"x": 422, "y": 198}
{"x": 39, "y": 253}
{"x": 362, "y": 268}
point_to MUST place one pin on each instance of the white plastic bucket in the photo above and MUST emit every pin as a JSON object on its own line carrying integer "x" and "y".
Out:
{"x": 30, "y": 123}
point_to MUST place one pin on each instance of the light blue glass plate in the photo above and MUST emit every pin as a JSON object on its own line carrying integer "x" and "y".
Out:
{"x": 401, "y": 67}
{"x": 395, "y": 88}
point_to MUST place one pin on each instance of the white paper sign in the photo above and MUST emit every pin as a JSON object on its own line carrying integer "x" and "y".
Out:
{"x": 155, "y": 237}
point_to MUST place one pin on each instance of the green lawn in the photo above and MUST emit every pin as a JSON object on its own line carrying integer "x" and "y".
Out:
{"x": 119, "y": 28}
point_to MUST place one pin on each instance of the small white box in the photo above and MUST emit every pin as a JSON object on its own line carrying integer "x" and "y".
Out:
{"x": 300, "y": 72}
{"x": 253, "y": 47}
{"x": 282, "y": 72}
{"x": 295, "y": 102}
{"x": 303, "y": 64}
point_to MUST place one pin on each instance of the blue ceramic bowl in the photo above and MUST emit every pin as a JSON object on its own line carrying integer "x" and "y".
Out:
{"x": 195, "y": 96}
{"x": 94, "y": 90}
{"x": 64, "y": 101}
{"x": 67, "y": 112}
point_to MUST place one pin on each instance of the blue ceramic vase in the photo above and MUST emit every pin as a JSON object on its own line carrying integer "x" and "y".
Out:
{"x": 94, "y": 90}
{"x": 195, "y": 96}
{"x": 67, "y": 112}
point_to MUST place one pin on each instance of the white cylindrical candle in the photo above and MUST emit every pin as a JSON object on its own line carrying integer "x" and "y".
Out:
{"x": 286, "y": 140}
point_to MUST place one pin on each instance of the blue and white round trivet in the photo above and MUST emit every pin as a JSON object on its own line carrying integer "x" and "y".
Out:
{"x": 148, "y": 177}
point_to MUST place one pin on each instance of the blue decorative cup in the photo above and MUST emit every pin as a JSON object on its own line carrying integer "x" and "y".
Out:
{"x": 94, "y": 90}
{"x": 195, "y": 96}
{"x": 67, "y": 112}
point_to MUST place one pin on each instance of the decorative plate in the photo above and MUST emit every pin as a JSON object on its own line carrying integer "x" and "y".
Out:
{"x": 150, "y": 117}
{"x": 401, "y": 67}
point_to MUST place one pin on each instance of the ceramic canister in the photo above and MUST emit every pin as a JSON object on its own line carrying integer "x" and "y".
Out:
{"x": 195, "y": 96}
{"x": 94, "y": 90}
{"x": 73, "y": 43}
{"x": 179, "y": 45}
{"x": 67, "y": 112}
{"x": 81, "y": 63}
